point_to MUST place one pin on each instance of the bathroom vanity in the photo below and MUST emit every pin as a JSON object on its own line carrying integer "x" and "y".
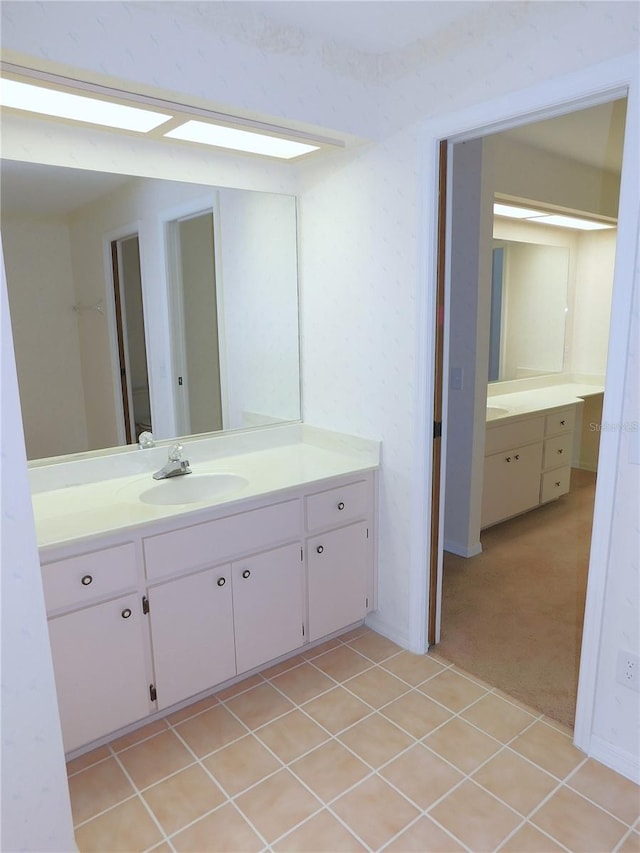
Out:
{"x": 151, "y": 603}
{"x": 529, "y": 445}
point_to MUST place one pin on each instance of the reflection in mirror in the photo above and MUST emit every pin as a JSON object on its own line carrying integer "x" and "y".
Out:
{"x": 528, "y": 309}
{"x": 185, "y": 298}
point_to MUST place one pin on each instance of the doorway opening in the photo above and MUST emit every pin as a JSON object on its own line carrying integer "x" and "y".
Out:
{"x": 502, "y": 609}
{"x": 130, "y": 334}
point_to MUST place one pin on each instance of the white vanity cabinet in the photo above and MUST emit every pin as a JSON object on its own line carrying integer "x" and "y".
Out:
{"x": 527, "y": 463}
{"x": 98, "y": 641}
{"x": 338, "y": 559}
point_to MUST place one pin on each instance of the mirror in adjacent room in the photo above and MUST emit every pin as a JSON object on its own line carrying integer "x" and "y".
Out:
{"x": 529, "y": 295}
{"x": 140, "y": 303}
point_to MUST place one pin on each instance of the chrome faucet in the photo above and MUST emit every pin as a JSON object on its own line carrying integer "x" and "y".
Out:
{"x": 176, "y": 465}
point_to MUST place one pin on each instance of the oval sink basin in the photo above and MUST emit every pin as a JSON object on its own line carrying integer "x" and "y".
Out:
{"x": 191, "y": 488}
{"x": 496, "y": 412}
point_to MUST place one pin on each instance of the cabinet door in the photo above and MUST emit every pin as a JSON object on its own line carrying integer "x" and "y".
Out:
{"x": 192, "y": 634}
{"x": 267, "y": 605}
{"x": 511, "y": 483}
{"x": 101, "y": 675}
{"x": 337, "y": 571}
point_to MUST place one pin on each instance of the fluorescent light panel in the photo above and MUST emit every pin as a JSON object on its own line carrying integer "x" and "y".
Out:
{"x": 52, "y": 102}
{"x": 239, "y": 140}
{"x": 557, "y": 219}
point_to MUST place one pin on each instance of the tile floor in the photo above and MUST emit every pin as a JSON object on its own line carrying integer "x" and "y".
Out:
{"x": 354, "y": 745}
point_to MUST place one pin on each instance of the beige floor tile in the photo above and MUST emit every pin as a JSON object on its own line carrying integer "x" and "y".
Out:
{"x": 241, "y": 764}
{"x": 376, "y": 687}
{"x": 223, "y": 831}
{"x": 613, "y": 792}
{"x": 577, "y": 823}
{"x": 239, "y": 687}
{"x": 320, "y": 649}
{"x": 472, "y": 677}
{"x": 259, "y": 705}
{"x": 283, "y": 666}
{"x": 498, "y": 718}
{"x": 329, "y": 770}
{"x": 210, "y": 730}
{"x": 523, "y": 705}
{"x": 277, "y": 804}
{"x": 126, "y": 828}
{"x": 354, "y": 633}
{"x": 183, "y": 798}
{"x": 192, "y": 710}
{"x": 556, "y": 724}
{"x": 514, "y": 780}
{"x": 376, "y": 740}
{"x": 322, "y": 832}
{"x": 342, "y": 663}
{"x": 86, "y": 760}
{"x": 528, "y": 839}
{"x": 291, "y": 736}
{"x": 161, "y": 848}
{"x": 414, "y": 669}
{"x": 374, "y": 646}
{"x": 462, "y": 745}
{"x": 416, "y": 714}
{"x": 303, "y": 683}
{"x": 424, "y": 835}
{"x": 421, "y": 776}
{"x": 374, "y": 811}
{"x": 631, "y": 844}
{"x": 98, "y": 788}
{"x": 453, "y": 690}
{"x": 138, "y": 735}
{"x": 475, "y": 817}
{"x": 336, "y": 710}
{"x": 549, "y": 749}
{"x": 155, "y": 758}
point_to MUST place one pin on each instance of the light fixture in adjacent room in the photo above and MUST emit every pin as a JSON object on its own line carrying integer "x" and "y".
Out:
{"x": 239, "y": 140}
{"x": 561, "y": 220}
{"x": 59, "y": 104}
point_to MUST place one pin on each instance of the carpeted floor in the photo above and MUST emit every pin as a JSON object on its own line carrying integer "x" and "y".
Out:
{"x": 513, "y": 615}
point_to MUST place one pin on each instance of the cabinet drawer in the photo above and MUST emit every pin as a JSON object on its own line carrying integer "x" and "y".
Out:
{"x": 557, "y": 451}
{"x": 562, "y": 421}
{"x": 335, "y": 506}
{"x": 81, "y": 580}
{"x": 217, "y": 541}
{"x": 555, "y": 483}
{"x": 500, "y": 438}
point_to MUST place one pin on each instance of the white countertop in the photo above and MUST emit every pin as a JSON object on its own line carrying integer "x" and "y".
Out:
{"x": 527, "y": 402}
{"x": 67, "y": 514}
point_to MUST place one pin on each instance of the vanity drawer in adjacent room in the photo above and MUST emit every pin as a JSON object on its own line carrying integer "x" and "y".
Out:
{"x": 338, "y": 506}
{"x": 561, "y": 421}
{"x": 555, "y": 483}
{"x": 557, "y": 451}
{"x": 213, "y": 542}
{"x": 81, "y": 580}
{"x": 516, "y": 434}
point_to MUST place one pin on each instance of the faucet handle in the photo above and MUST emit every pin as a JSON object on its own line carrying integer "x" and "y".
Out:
{"x": 146, "y": 439}
{"x": 175, "y": 453}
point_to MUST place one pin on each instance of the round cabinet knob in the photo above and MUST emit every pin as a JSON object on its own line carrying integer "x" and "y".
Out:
{"x": 246, "y": 573}
{"x": 560, "y": 450}
{"x": 557, "y": 484}
{"x": 507, "y": 459}
{"x": 562, "y": 423}
{"x": 221, "y": 581}
{"x": 86, "y": 580}
{"x": 341, "y": 506}
{"x": 320, "y": 549}
{"x": 126, "y": 613}
{"x": 517, "y": 456}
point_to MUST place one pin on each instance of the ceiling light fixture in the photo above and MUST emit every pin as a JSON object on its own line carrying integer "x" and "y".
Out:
{"x": 239, "y": 140}
{"x": 53, "y": 102}
{"x": 560, "y": 220}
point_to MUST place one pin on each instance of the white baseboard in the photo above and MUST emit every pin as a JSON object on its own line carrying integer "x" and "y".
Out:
{"x": 463, "y": 550}
{"x": 625, "y": 763}
{"x": 378, "y": 625}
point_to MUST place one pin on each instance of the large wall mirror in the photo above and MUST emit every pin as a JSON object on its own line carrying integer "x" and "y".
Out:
{"x": 529, "y": 304}
{"x": 147, "y": 304}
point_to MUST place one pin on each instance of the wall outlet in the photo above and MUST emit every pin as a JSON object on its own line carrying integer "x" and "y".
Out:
{"x": 628, "y": 670}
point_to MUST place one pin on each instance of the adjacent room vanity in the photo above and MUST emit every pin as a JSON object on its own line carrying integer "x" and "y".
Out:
{"x": 529, "y": 446}
{"x": 152, "y": 603}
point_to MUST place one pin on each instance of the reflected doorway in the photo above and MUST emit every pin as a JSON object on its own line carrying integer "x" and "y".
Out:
{"x": 132, "y": 353}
